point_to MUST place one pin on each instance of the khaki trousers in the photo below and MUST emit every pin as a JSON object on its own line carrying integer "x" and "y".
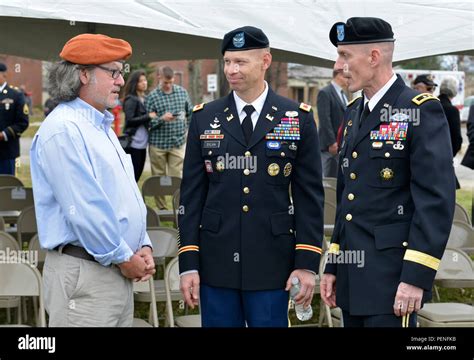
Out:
{"x": 83, "y": 293}
{"x": 166, "y": 162}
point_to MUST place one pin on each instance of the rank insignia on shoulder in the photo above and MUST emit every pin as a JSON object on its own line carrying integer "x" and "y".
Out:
{"x": 198, "y": 107}
{"x": 353, "y": 101}
{"x": 305, "y": 107}
{"x": 420, "y": 99}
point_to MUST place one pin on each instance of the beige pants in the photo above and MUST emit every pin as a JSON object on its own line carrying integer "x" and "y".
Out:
{"x": 166, "y": 162}
{"x": 83, "y": 293}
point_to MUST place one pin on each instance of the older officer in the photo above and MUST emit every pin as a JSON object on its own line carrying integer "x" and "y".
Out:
{"x": 241, "y": 239}
{"x": 395, "y": 186}
{"x": 13, "y": 121}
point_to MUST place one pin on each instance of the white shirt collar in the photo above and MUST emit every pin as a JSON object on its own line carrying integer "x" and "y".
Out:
{"x": 337, "y": 87}
{"x": 379, "y": 94}
{"x": 257, "y": 104}
{"x": 3, "y": 86}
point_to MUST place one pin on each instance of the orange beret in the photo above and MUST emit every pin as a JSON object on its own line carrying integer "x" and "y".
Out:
{"x": 95, "y": 49}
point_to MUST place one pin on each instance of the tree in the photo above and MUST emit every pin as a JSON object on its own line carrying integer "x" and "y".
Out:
{"x": 195, "y": 84}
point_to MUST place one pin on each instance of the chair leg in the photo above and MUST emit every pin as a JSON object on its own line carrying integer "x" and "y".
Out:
{"x": 437, "y": 293}
{"x": 321, "y": 313}
{"x": 328, "y": 314}
{"x": 25, "y": 310}
{"x": 35, "y": 308}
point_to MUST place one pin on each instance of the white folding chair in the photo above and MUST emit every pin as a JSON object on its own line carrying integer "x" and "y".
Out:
{"x": 161, "y": 186}
{"x": 22, "y": 279}
{"x": 461, "y": 214}
{"x": 165, "y": 245}
{"x": 26, "y": 224}
{"x": 172, "y": 286}
{"x": 461, "y": 237}
{"x": 8, "y": 243}
{"x": 147, "y": 287}
{"x": 446, "y": 315}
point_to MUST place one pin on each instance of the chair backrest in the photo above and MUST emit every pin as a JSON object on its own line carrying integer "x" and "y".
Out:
{"x": 34, "y": 245}
{"x": 176, "y": 197}
{"x": 461, "y": 236}
{"x": 22, "y": 279}
{"x": 330, "y": 181}
{"x": 330, "y": 195}
{"x": 148, "y": 287}
{"x": 26, "y": 224}
{"x": 152, "y": 218}
{"x": 8, "y": 241}
{"x": 15, "y": 198}
{"x": 164, "y": 241}
{"x": 172, "y": 281}
{"x": 10, "y": 180}
{"x": 455, "y": 265}
{"x": 160, "y": 185}
{"x": 461, "y": 214}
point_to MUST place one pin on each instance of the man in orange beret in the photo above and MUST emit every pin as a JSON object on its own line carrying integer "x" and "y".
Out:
{"x": 90, "y": 214}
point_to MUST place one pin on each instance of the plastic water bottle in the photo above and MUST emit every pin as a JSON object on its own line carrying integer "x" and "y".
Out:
{"x": 302, "y": 313}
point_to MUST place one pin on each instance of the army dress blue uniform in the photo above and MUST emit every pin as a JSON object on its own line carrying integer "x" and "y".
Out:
{"x": 239, "y": 228}
{"x": 13, "y": 121}
{"x": 396, "y": 195}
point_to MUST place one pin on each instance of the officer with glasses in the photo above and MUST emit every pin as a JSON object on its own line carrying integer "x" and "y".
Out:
{"x": 89, "y": 210}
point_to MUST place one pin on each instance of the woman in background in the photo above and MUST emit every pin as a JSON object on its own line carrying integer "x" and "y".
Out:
{"x": 136, "y": 119}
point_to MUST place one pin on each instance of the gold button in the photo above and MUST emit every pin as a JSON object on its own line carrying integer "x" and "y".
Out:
{"x": 210, "y": 152}
{"x": 351, "y": 197}
{"x": 282, "y": 154}
{"x": 354, "y": 154}
{"x": 405, "y": 244}
{"x": 245, "y": 208}
{"x": 353, "y": 176}
{"x": 246, "y": 190}
{"x": 348, "y": 217}
{"x": 387, "y": 154}
{"x": 291, "y": 231}
{"x": 247, "y": 153}
{"x": 246, "y": 172}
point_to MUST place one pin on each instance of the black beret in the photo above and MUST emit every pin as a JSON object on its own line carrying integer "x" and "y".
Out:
{"x": 361, "y": 30}
{"x": 244, "y": 38}
{"x": 425, "y": 79}
{"x": 3, "y": 67}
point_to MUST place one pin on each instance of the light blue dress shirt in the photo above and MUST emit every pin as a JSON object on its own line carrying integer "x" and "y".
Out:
{"x": 84, "y": 186}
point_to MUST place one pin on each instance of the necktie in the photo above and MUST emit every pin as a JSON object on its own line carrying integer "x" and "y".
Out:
{"x": 343, "y": 97}
{"x": 365, "y": 113}
{"x": 358, "y": 121}
{"x": 247, "y": 125}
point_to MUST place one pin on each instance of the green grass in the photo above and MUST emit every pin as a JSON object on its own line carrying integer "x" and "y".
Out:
{"x": 38, "y": 117}
{"x": 464, "y": 198}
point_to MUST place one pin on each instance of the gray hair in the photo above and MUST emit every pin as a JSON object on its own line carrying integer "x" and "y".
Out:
{"x": 64, "y": 81}
{"x": 449, "y": 87}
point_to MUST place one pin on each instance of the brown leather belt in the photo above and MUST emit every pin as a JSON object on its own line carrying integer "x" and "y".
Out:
{"x": 76, "y": 251}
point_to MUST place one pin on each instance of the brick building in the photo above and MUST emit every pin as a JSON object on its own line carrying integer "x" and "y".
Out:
{"x": 28, "y": 72}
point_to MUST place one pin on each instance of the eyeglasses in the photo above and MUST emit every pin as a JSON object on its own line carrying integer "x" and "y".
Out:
{"x": 114, "y": 72}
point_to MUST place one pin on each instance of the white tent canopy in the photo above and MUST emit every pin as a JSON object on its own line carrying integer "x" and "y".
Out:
{"x": 193, "y": 29}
